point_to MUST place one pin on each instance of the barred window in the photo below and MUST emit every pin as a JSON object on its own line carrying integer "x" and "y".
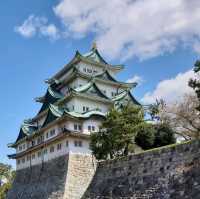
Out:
{"x": 33, "y": 156}
{"x": 75, "y": 127}
{"x": 52, "y": 132}
{"x": 39, "y": 153}
{"x": 28, "y": 158}
{"x": 78, "y": 143}
{"x": 45, "y": 151}
{"x": 59, "y": 146}
{"x": 51, "y": 149}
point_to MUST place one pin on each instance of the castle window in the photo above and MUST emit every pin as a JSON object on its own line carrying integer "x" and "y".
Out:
{"x": 18, "y": 161}
{"x": 39, "y": 154}
{"x": 93, "y": 128}
{"x": 67, "y": 143}
{"x": 20, "y": 148}
{"x": 113, "y": 94}
{"x": 39, "y": 140}
{"x": 23, "y": 146}
{"x": 33, "y": 142}
{"x": 89, "y": 70}
{"x": 75, "y": 143}
{"x": 33, "y": 156}
{"x": 62, "y": 129}
{"x": 51, "y": 149}
{"x": 28, "y": 158}
{"x": 85, "y": 109}
{"x": 59, "y": 146}
{"x": 84, "y": 69}
{"x": 23, "y": 160}
{"x": 47, "y": 135}
{"x": 45, "y": 151}
{"x": 89, "y": 128}
{"x": 52, "y": 132}
{"x": 78, "y": 143}
{"x": 75, "y": 127}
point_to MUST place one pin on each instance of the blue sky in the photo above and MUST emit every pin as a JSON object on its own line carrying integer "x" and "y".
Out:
{"x": 39, "y": 37}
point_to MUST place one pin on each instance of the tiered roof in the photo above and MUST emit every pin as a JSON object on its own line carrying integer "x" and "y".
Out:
{"x": 50, "y": 97}
{"x": 93, "y": 57}
{"x": 52, "y": 102}
{"x": 103, "y": 77}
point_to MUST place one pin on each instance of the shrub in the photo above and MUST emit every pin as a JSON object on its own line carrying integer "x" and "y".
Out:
{"x": 164, "y": 135}
{"x": 145, "y": 136}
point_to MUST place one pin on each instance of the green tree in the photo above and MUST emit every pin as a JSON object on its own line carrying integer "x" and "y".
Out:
{"x": 7, "y": 174}
{"x": 195, "y": 83}
{"x": 146, "y": 136}
{"x": 164, "y": 135}
{"x": 116, "y": 135}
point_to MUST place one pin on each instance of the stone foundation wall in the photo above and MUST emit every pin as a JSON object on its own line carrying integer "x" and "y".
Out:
{"x": 66, "y": 177}
{"x": 168, "y": 173}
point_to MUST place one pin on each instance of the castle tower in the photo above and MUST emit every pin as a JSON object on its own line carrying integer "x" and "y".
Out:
{"x": 74, "y": 105}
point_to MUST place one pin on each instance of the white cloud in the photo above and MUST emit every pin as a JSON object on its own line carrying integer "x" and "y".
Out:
{"x": 50, "y": 31}
{"x": 170, "y": 90}
{"x": 135, "y": 78}
{"x": 37, "y": 25}
{"x": 139, "y": 28}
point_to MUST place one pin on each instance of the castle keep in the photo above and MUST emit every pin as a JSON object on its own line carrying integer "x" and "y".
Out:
{"x": 74, "y": 105}
{"x": 53, "y": 157}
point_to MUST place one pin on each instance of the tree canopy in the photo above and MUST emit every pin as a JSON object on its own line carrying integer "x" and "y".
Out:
{"x": 6, "y": 178}
{"x": 116, "y": 135}
{"x": 195, "y": 83}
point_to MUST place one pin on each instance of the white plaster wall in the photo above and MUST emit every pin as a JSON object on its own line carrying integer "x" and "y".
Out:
{"x": 78, "y": 82}
{"x": 108, "y": 88}
{"x": 71, "y": 148}
{"x": 91, "y": 122}
{"x": 80, "y": 102}
{"x": 82, "y": 65}
{"x": 99, "y": 69}
{"x": 70, "y": 104}
{"x": 23, "y": 146}
{"x": 57, "y": 131}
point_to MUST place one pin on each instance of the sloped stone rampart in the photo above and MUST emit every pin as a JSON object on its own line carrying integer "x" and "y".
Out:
{"x": 168, "y": 173}
{"x": 63, "y": 177}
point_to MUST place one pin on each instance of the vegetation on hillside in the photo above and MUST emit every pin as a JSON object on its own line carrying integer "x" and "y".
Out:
{"x": 6, "y": 178}
{"x": 123, "y": 129}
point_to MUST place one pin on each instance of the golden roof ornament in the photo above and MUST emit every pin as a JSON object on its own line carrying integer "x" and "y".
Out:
{"x": 94, "y": 45}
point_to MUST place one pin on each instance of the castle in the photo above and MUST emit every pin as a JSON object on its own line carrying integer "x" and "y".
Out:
{"x": 52, "y": 149}
{"x": 74, "y": 105}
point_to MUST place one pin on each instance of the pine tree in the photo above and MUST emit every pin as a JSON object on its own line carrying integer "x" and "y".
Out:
{"x": 117, "y": 133}
{"x": 195, "y": 83}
